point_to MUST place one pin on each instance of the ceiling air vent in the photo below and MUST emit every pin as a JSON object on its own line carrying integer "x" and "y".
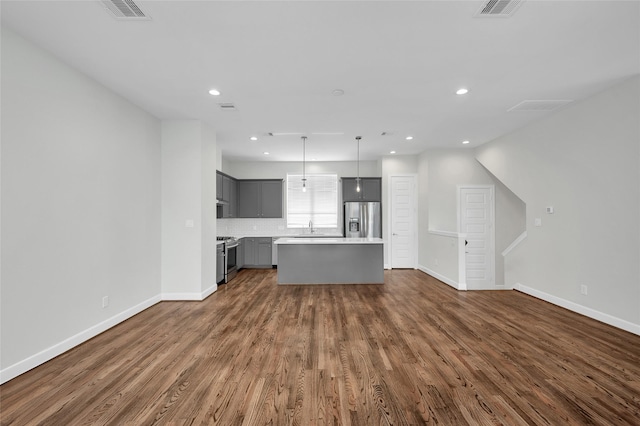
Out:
{"x": 539, "y": 105}
{"x": 499, "y": 8}
{"x": 227, "y": 106}
{"x": 124, "y": 9}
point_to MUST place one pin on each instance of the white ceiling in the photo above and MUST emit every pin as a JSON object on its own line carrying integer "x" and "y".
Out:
{"x": 398, "y": 63}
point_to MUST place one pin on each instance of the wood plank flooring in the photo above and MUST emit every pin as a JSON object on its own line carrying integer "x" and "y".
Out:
{"x": 413, "y": 351}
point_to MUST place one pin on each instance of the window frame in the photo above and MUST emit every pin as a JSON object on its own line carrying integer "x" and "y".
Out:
{"x": 316, "y": 184}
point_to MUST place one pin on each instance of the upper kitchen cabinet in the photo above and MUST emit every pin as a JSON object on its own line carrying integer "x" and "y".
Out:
{"x": 260, "y": 198}
{"x": 370, "y": 189}
{"x": 227, "y": 196}
{"x": 218, "y": 186}
{"x": 230, "y": 187}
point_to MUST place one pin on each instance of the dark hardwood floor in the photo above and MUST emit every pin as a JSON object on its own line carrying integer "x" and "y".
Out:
{"x": 412, "y": 351}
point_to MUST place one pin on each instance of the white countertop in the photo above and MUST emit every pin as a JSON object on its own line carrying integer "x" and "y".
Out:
{"x": 323, "y": 241}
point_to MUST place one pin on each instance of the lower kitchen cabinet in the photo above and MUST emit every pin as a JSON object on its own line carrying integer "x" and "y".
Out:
{"x": 240, "y": 254}
{"x": 257, "y": 252}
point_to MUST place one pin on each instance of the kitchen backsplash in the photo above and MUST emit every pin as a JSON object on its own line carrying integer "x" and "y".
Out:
{"x": 262, "y": 228}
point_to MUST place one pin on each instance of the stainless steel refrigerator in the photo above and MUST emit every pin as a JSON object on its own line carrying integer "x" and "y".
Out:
{"x": 362, "y": 220}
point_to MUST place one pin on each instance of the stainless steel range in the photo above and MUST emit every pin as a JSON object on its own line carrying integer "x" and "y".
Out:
{"x": 230, "y": 257}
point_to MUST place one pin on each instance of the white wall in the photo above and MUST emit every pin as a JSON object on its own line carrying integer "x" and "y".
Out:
{"x": 80, "y": 207}
{"x": 441, "y": 172}
{"x": 585, "y": 162}
{"x": 449, "y": 168}
{"x": 188, "y": 210}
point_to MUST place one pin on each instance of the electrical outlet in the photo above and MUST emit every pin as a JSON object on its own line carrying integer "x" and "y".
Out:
{"x": 437, "y": 262}
{"x": 583, "y": 289}
{"x": 105, "y": 301}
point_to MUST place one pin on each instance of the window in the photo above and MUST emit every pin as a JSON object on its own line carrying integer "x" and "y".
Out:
{"x": 319, "y": 204}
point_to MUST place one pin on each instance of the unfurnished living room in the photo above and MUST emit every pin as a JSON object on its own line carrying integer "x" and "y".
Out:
{"x": 320, "y": 212}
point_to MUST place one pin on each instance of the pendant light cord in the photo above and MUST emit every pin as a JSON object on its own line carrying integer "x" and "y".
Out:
{"x": 304, "y": 156}
{"x": 358, "y": 165}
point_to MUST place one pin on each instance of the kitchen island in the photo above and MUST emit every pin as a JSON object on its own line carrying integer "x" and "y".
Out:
{"x": 330, "y": 261}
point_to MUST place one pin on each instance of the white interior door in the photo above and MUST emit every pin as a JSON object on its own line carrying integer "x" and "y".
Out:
{"x": 476, "y": 207}
{"x": 403, "y": 222}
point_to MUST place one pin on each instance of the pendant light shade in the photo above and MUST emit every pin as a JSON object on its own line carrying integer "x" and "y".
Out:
{"x": 358, "y": 164}
{"x": 304, "y": 160}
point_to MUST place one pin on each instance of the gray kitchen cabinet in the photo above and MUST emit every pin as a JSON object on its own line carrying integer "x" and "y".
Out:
{"x": 257, "y": 252}
{"x": 370, "y": 189}
{"x": 250, "y": 249}
{"x": 260, "y": 198}
{"x": 264, "y": 252}
{"x": 272, "y": 199}
{"x": 274, "y": 251}
{"x": 240, "y": 254}
{"x": 230, "y": 193}
{"x": 249, "y": 198}
{"x": 226, "y": 195}
{"x": 218, "y": 186}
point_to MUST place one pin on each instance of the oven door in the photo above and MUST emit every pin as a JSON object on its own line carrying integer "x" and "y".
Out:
{"x": 231, "y": 262}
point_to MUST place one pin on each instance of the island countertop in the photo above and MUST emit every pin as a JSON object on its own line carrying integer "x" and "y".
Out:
{"x": 330, "y": 240}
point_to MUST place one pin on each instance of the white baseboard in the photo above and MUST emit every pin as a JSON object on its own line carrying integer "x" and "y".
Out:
{"x": 208, "y": 292}
{"x": 59, "y": 348}
{"x": 446, "y": 280}
{"x": 174, "y": 297}
{"x": 583, "y": 310}
{"x": 189, "y": 296}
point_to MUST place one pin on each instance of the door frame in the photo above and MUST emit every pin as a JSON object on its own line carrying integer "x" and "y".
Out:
{"x": 389, "y": 252}
{"x": 462, "y": 261}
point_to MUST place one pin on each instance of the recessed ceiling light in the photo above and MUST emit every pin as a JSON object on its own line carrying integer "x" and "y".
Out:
{"x": 337, "y": 92}
{"x": 392, "y": 152}
{"x": 214, "y": 92}
{"x": 409, "y": 138}
{"x": 465, "y": 142}
{"x": 266, "y": 153}
{"x": 253, "y": 138}
{"x": 462, "y": 91}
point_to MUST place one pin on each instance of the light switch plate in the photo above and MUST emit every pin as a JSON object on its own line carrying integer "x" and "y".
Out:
{"x": 189, "y": 223}
{"x": 538, "y": 221}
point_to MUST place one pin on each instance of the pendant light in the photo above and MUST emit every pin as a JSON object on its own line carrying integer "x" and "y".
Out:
{"x": 304, "y": 175}
{"x": 358, "y": 164}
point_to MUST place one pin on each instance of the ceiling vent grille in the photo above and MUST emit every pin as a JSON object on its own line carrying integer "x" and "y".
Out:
{"x": 539, "y": 105}
{"x": 499, "y": 8}
{"x": 124, "y": 9}
{"x": 227, "y": 106}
